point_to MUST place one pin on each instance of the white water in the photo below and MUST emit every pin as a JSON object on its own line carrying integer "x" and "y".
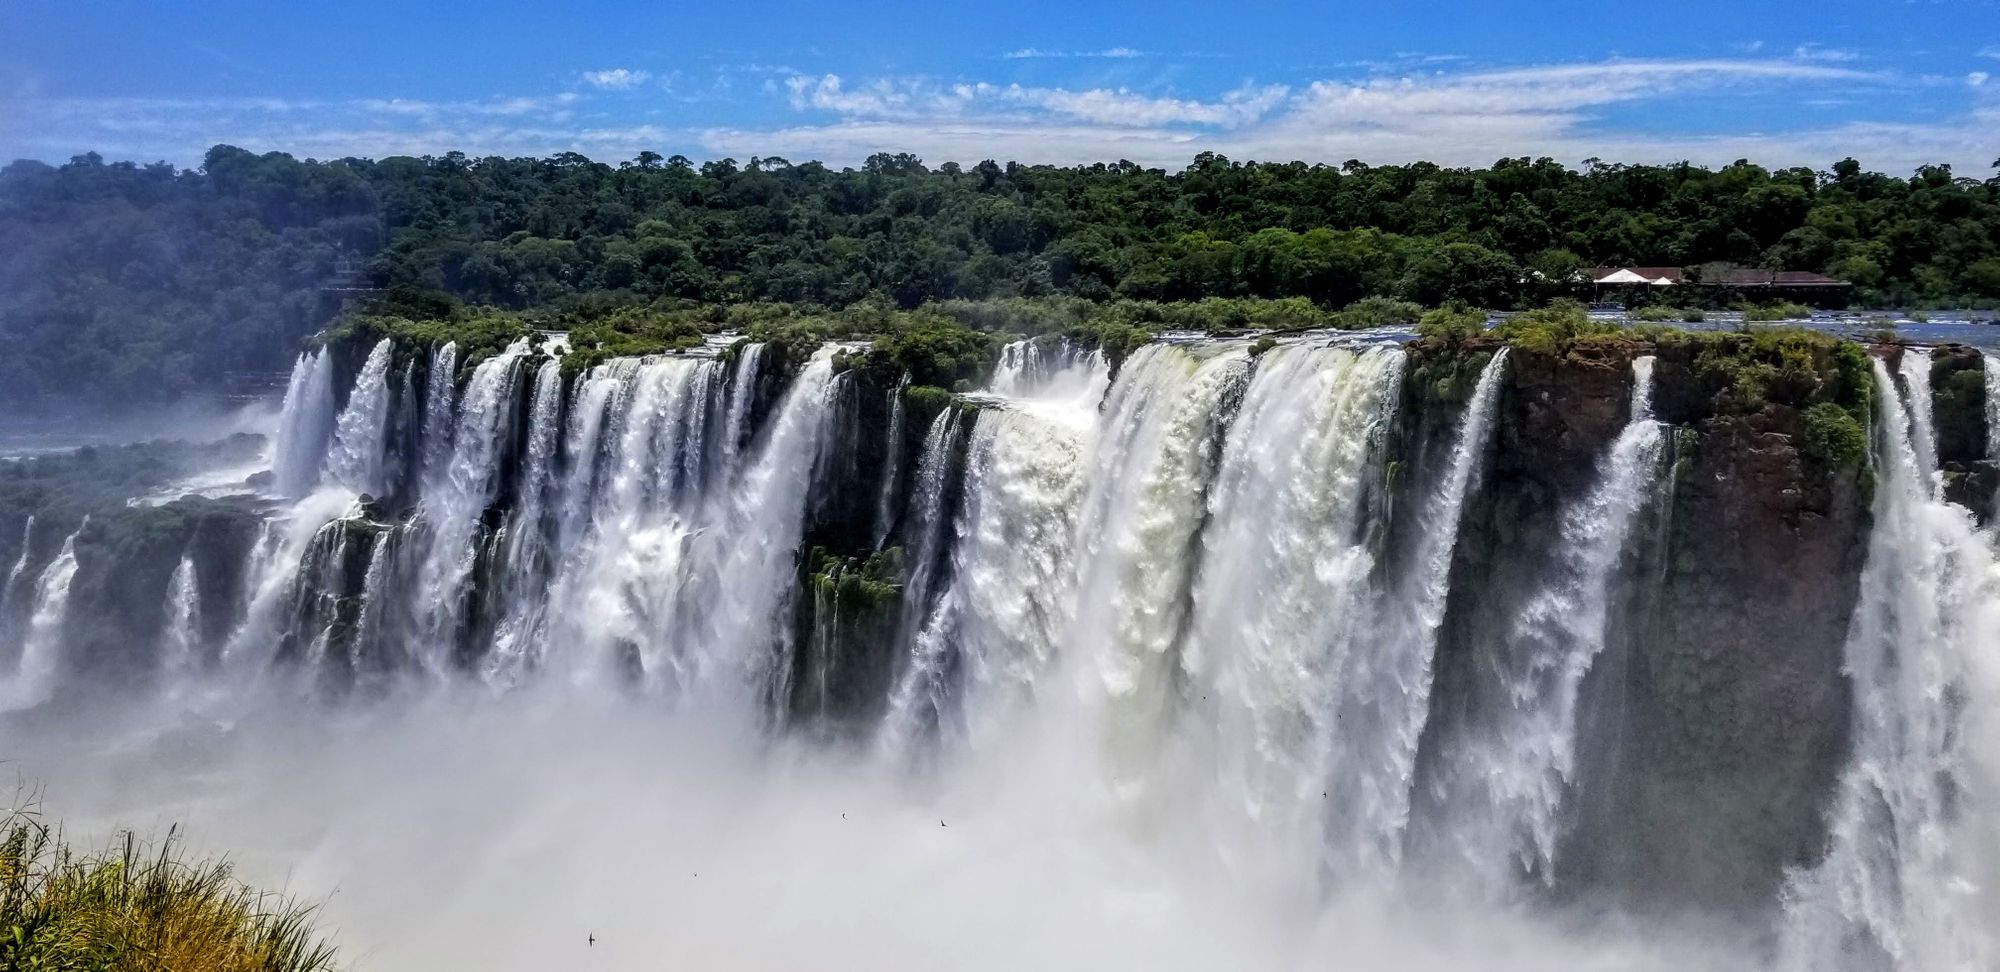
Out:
{"x": 885, "y": 501}
{"x": 1178, "y": 685}
{"x": 527, "y": 533}
{"x": 1385, "y": 692}
{"x": 465, "y": 488}
{"x": 180, "y": 642}
{"x": 1138, "y": 530}
{"x": 1916, "y": 374}
{"x": 440, "y": 397}
{"x": 1284, "y": 597}
{"x": 305, "y": 424}
{"x": 1040, "y": 368}
{"x": 921, "y": 689}
{"x": 1912, "y": 881}
{"x": 1991, "y": 363}
{"x": 355, "y": 458}
{"x": 34, "y": 677}
{"x": 1509, "y": 774}
{"x": 14, "y": 573}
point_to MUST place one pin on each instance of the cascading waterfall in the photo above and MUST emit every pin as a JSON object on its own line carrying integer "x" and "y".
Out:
{"x": 452, "y": 513}
{"x": 1384, "y": 693}
{"x": 885, "y": 501}
{"x": 355, "y": 459}
{"x": 14, "y": 574}
{"x": 435, "y": 439}
{"x": 1908, "y": 881}
{"x": 305, "y": 424}
{"x": 527, "y": 534}
{"x": 1138, "y": 527}
{"x": 1508, "y": 774}
{"x": 35, "y": 673}
{"x": 918, "y": 699}
{"x": 1210, "y": 591}
{"x": 1915, "y": 371}
{"x": 1990, "y": 364}
{"x": 1286, "y": 536}
{"x": 1040, "y": 368}
{"x": 180, "y": 643}
{"x": 626, "y": 587}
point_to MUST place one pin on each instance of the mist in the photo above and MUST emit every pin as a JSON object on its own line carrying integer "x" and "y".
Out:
{"x": 455, "y": 830}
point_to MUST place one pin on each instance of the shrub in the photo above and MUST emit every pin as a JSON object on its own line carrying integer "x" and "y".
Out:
{"x": 1377, "y": 312}
{"x": 1780, "y": 311}
{"x": 1452, "y": 324}
{"x": 1553, "y": 328}
{"x": 1656, "y": 313}
{"x": 1834, "y": 436}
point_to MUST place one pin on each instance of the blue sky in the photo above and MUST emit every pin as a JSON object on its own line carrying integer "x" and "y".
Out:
{"x": 1894, "y": 84}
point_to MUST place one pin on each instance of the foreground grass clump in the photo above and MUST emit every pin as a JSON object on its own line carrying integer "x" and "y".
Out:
{"x": 135, "y": 907}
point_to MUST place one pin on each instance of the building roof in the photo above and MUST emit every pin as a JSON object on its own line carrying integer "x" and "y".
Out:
{"x": 1647, "y": 274}
{"x": 1731, "y": 277}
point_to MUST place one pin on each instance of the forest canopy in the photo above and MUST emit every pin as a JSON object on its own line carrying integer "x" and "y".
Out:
{"x": 132, "y": 283}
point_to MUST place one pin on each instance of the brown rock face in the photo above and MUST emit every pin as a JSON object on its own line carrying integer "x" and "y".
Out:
{"x": 1714, "y": 723}
{"x": 1735, "y": 707}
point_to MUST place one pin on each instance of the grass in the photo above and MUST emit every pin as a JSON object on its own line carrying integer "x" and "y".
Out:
{"x": 140, "y": 907}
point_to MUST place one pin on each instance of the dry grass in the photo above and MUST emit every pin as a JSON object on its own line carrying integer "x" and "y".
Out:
{"x": 140, "y": 907}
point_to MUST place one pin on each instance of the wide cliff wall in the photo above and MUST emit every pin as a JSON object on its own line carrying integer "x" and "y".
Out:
{"x": 1714, "y": 723}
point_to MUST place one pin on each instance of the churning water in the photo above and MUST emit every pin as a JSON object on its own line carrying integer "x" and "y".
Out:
{"x": 1157, "y": 670}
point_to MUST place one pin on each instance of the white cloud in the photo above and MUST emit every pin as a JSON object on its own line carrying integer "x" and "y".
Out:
{"x": 1568, "y": 111}
{"x": 616, "y": 79}
{"x": 1814, "y": 52}
{"x": 1111, "y": 52}
{"x": 1977, "y": 79}
{"x": 1462, "y": 118}
{"x": 1991, "y": 50}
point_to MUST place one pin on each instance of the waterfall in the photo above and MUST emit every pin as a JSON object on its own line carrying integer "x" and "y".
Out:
{"x": 355, "y": 460}
{"x": 1138, "y": 530}
{"x": 1509, "y": 773}
{"x": 435, "y": 439}
{"x": 1283, "y": 597}
{"x": 180, "y": 643}
{"x": 918, "y": 698}
{"x": 40, "y": 664}
{"x": 742, "y": 395}
{"x": 1916, "y": 373}
{"x": 1040, "y": 368}
{"x": 893, "y": 466}
{"x": 305, "y": 424}
{"x": 755, "y": 540}
{"x": 14, "y": 580}
{"x": 527, "y": 531}
{"x": 1991, "y": 366}
{"x": 452, "y": 512}
{"x": 1385, "y": 692}
{"x": 1908, "y": 883}
{"x": 624, "y": 587}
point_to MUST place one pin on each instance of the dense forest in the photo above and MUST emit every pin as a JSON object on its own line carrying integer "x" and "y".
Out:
{"x": 124, "y": 283}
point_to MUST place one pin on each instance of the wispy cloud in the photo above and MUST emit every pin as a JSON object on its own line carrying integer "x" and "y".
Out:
{"x": 1990, "y": 50}
{"x": 616, "y": 79}
{"x": 1814, "y": 52}
{"x": 1035, "y": 52}
{"x": 1569, "y": 111}
{"x": 1467, "y": 117}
